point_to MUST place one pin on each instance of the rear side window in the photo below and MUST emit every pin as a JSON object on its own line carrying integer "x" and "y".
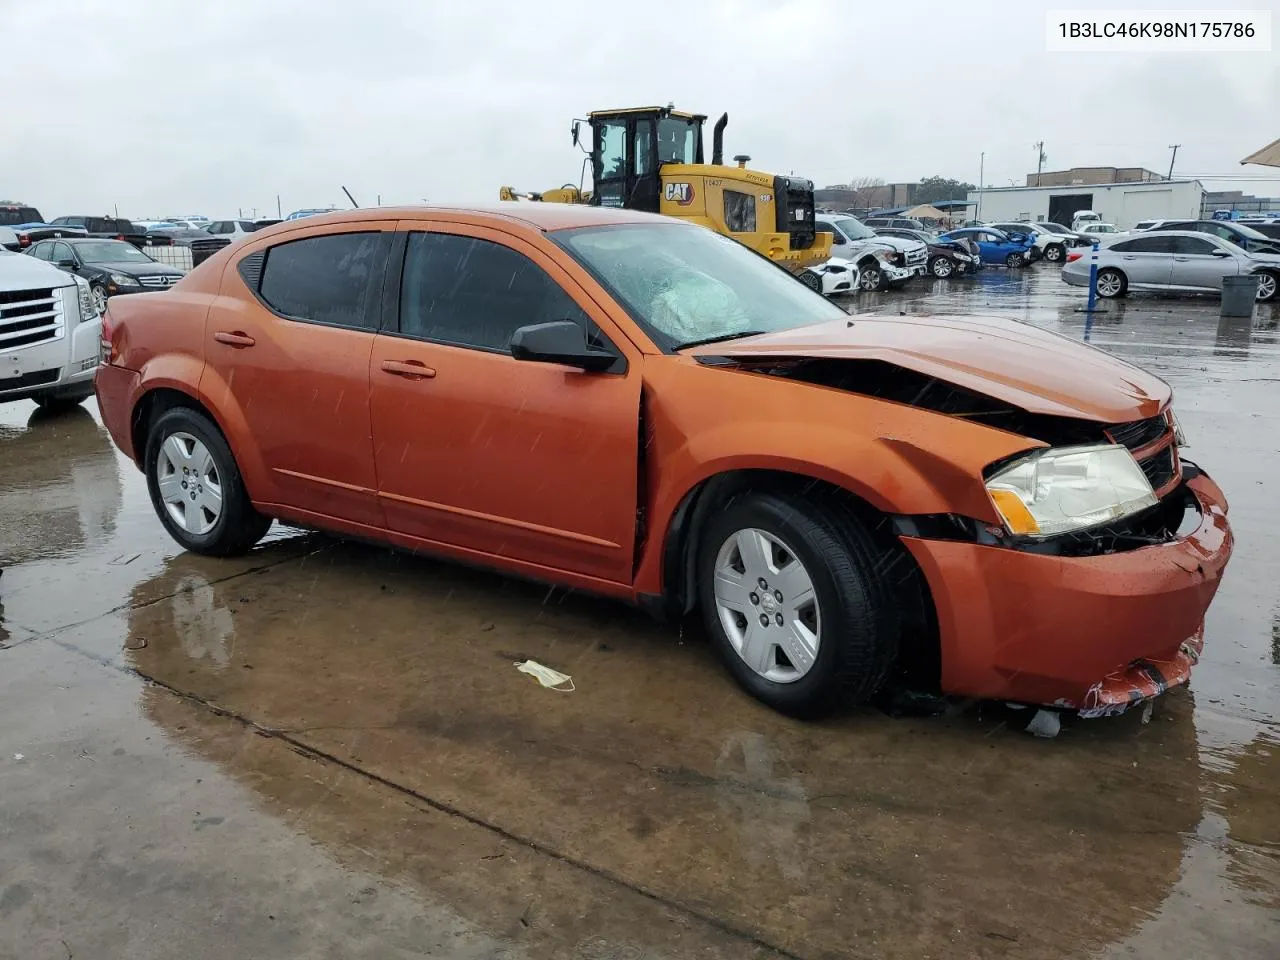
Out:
{"x": 324, "y": 279}
{"x": 476, "y": 293}
{"x": 739, "y": 211}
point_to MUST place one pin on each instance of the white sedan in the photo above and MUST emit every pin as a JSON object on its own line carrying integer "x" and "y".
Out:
{"x": 836, "y": 277}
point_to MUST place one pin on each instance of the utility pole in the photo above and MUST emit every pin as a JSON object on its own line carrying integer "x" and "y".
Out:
{"x": 1040, "y": 159}
{"x": 1174, "y": 147}
{"x": 279, "y": 215}
{"x": 982, "y": 166}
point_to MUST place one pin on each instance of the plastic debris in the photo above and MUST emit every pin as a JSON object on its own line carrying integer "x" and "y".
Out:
{"x": 551, "y": 679}
{"x": 1046, "y": 723}
{"x": 18, "y": 756}
{"x": 1147, "y": 710}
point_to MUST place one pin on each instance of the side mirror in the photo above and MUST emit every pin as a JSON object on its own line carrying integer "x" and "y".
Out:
{"x": 560, "y": 341}
{"x": 577, "y": 126}
{"x": 65, "y": 264}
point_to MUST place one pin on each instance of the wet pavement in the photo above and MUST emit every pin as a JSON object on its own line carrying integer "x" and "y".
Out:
{"x": 323, "y": 749}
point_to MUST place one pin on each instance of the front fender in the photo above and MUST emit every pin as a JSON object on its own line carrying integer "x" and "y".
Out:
{"x": 704, "y": 421}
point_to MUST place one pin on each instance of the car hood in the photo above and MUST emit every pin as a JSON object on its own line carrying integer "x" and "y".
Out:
{"x": 135, "y": 269}
{"x": 901, "y": 244}
{"x": 1014, "y": 362}
{"x": 21, "y": 272}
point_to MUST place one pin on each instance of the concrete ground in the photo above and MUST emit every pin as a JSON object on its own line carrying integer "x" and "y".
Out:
{"x": 324, "y": 750}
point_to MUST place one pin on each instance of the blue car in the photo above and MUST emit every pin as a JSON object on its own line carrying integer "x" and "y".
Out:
{"x": 996, "y": 246}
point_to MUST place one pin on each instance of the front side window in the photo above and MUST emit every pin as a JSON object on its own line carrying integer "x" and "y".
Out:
{"x": 685, "y": 284}
{"x": 323, "y": 279}
{"x": 611, "y": 163}
{"x": 475, "y": 293}
{"x": 644, "y": 147}
{"x": 739, "y": 212}
{"x": 1152, "y": 244}
{"x": 61, "y": 251}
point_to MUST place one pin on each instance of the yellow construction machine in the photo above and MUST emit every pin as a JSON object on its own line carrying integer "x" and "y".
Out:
{"x": 650, "y": 158}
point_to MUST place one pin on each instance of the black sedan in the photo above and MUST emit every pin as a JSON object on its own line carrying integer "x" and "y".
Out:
{"x": 111, "y": 266}
{"x": 947, "y": 258}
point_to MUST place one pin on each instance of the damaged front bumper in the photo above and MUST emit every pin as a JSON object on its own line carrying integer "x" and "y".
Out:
{"x": 1093, "y": 634}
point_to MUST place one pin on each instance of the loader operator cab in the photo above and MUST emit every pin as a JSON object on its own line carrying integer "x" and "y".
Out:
{"x": 629, "y": 147}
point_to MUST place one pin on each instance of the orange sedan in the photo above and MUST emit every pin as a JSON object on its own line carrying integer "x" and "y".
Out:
{"x": 640, "y": 407}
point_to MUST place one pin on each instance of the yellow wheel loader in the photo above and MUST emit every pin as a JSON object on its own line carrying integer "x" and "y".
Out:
{"x": 651, "y": 158}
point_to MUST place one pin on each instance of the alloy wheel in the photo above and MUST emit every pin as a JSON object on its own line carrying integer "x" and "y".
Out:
{"x": 1053, "y": 254}
{"x": 766, "y": 602}
{"x": 1266, "y": 286}
{"x": 189, "y": 483}
{"x": 99, "y": 299}
{"x": 942, "y": 268}
{"x": 1108, "y": 284}
{"x": 871, "y": 279}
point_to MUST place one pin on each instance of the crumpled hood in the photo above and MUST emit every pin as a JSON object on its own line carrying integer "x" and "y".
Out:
{"x": 1017, "y": 363}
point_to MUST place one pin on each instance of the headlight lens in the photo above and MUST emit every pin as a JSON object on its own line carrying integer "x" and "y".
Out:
{"x": 87, "y": 310}
{"x": 893, "y": 257}
{"x": 1179, "y": 437}
{"x": 120, "y": 280}
{"x": 1062, "y": 489}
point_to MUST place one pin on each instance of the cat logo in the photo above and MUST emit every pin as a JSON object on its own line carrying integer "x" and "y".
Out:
{"x": 681, "y": 193}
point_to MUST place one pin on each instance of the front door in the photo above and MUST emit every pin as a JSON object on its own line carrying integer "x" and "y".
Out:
{"x": 499, "y": 457}
{"x": 287, "y": 347}
{"x": 1201, "y": 263}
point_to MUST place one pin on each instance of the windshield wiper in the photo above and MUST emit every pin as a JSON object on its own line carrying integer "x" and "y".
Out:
{"x": 721, "y": 338}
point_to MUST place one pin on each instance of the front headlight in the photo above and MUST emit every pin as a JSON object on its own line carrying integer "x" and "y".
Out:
{"x": 1062, "y": 489}
{"x": 1179, "y": 437}
{"x": 894, "y": 258}
{"x": 87, "y": 310}
{"x": 121, "y": 280}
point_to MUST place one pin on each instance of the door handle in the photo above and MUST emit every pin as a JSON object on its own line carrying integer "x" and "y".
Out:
{"x": 234, "y": 339}
{"x": 411, "y": 369}
{"x": 1130, "y": 257}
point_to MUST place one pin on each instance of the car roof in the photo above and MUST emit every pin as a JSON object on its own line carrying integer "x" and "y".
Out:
{"x": 539, "y": 215}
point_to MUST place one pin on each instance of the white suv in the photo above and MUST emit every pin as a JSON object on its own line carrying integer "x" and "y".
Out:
{"x": 50, "y": 334}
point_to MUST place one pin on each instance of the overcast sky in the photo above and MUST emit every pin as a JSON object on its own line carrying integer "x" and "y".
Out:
{"x": 178, "y": 107}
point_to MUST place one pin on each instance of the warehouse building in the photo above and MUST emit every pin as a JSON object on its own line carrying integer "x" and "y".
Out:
{"x": 1123, "y": 204}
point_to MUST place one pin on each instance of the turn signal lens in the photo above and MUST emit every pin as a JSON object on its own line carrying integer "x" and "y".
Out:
{"x": 1015, "y": 513}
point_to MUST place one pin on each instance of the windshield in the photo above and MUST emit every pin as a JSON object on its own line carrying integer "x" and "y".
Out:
{"x": 111, "y": 251}
{"x": 14, "y": 215}
{"x": 677, "y": 140}
{"x": 1053, "y": 227}
{"x": 1249, "y": 232}
{"x": 687, "y": 284}
{"x": 854, "y": 229}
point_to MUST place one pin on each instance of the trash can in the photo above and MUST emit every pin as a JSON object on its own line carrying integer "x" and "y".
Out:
{"x": 1238, "y": 295}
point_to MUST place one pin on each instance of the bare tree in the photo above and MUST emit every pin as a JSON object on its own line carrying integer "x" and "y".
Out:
{"x": 865, "y": 189}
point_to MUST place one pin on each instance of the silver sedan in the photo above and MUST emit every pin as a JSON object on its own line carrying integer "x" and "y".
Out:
{"x": 1173, "y": 260}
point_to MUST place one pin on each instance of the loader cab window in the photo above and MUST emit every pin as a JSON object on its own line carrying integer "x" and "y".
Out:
{"x": 643, "y": 162}
{"x": 739, "y": 211}
{"x": 677, "y": 141}
{"x": 611, "y": 162}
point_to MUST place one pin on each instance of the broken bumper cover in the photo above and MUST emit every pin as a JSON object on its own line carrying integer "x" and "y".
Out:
{"x": 1095, "y": 634}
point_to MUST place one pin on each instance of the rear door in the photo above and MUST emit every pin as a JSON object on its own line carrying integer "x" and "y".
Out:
{"x": 1146, "y": 261}
{"x": 287, "y": 348}
{"x": 1200, "y": 263}
{"x": 535, "y": 462}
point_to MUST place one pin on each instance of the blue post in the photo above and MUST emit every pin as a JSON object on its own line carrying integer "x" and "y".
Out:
{"x": 1093, "y": 276}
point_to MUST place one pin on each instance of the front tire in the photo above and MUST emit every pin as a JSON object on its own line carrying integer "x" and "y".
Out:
{"x": 1268, "y": 286}
{"x": 196, "y": 488}
{"x": 941, "y": 267}
{"x": 99, "y": 294}
{"x": 794, "y": 605}
{"x": 1112, "y": 283}
{"x": 811, "y": 280}
{"x": 872, "y": 278}
{"x": 1015, "y": 260}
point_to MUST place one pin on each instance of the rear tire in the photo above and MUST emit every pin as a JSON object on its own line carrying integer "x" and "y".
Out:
{"x": 1054, "y": 252}
{"x": 1015, "y": 260}
{"x": 196, "y": 488}
{"x": 826, "y": 644}
{"x": 1112, "y": 283}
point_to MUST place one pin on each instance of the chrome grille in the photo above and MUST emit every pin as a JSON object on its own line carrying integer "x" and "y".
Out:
{"x": 919, "y": 255}
{"x": 29, "y": 316}
{"x": 1159, "y": 467}
{"x": 162, "y": 281}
